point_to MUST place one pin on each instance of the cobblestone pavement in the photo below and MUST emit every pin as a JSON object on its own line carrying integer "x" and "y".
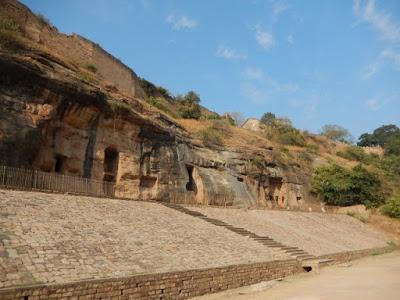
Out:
{"x": 52, "y": 238}
{"x": 316, "y": 233}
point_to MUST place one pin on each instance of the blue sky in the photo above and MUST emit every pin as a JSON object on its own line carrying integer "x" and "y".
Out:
{"x": 316, "y": 62}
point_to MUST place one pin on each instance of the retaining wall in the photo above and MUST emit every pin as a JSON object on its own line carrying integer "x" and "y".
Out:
{"x": 173, "y": 285}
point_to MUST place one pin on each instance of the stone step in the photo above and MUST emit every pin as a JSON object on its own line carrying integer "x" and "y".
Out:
{"x": 304, "y": 256}
{"x": 295, "y": 251}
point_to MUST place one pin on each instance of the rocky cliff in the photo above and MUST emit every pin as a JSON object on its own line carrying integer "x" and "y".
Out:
{"x": 58, "y": 116}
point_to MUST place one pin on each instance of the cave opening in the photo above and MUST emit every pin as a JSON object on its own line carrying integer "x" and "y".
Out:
{"x": 60, "y": 163}
{"x": 111, "y": 158}
{"x": 191, "y": 184}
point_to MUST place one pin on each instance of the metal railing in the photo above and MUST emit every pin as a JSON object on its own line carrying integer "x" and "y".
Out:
{"x": 26, "y": 179}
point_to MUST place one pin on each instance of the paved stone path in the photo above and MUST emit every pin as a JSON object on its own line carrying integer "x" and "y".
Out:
{"x": 316, "y": 233}
{"x": 52, "y": 238}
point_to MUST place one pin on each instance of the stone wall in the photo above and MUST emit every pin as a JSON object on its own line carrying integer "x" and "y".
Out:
{"x": 76, "y": 49}
{"x": 174, "y": 285}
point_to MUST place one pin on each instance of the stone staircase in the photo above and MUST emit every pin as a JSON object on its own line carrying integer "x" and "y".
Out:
{"x": 265, "y": 240}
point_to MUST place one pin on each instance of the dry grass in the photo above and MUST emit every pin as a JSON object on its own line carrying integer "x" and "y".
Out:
{"x": 388, "y": 225}
{"x": 238, "y": 139}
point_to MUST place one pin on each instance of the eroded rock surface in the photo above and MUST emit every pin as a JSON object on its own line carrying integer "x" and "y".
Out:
{"x": 53, "y": 118}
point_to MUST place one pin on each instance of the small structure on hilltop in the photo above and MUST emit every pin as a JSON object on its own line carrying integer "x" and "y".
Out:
{"x": 252, "y": 124}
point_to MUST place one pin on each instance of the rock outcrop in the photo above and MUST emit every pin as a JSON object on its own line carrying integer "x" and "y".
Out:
{"x": 52, "y": 118}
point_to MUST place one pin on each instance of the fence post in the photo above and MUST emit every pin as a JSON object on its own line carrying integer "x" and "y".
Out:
{"x": 4, "y": 176}
{"x": 34, "y": 179}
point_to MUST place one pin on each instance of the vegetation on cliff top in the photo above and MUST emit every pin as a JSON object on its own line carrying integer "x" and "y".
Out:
{"x": 10, "y": 35}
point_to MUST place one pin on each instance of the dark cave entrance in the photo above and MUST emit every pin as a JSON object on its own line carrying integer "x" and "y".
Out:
{"x": 111, "y": 158}
{"x": 191, "y": 184}
{"x": 60, "y": 163}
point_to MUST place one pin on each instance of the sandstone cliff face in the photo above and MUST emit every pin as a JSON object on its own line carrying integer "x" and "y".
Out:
{"x": 53, "y": 120}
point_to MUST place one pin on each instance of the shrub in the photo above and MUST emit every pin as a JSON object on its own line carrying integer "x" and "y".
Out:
{"x": 391, "y": 165}
{"x": 312, "y": 148}
{"x": 392, "y": 206}
{"x": 88, "y": 77}
{"x": 43, "y": 19}
{"x": 291, "y": 137}
{"x": 211, "y": 116}
{"x": 210, "y": 138}
{"x": 215, "y": 133}
{"x": 336, "y": 133}
{"x": 161, "y": 105}
{"x": 358, "y": 154}
{"x": 164, "y": 92}
{"x": 91, "y": 67}
{"x": 189, "y": 110}
{"x": 10, "y": 35}
{"x": 338, "y": 186}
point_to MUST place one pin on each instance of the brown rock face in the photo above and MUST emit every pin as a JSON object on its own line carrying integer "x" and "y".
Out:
{"x": 53, "y": 120}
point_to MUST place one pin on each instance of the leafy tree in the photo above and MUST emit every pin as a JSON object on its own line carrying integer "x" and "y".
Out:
{"x": 336, "y": 133}
{"x": 268, "y": 118}
{"x": 379, "y": 137}
{"x": 338, "y": 186}
{"x": 367, "y": 140}
{"x": 392, "y": 146}
{"x": 190, "y": 110}
{"x": 192, "y": 96}
{"x": 392, "y": 206}
{"x": 189, "y": 106}
{"x": 384, "y": 133}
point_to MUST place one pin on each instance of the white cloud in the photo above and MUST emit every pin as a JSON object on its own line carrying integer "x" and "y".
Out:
{"x": 182, "y": 22}
{"x": 392, "y": 56}
{"x": 228, "y": 53}
{"x": 253, "y": 74}
{"x": 373, "y": 104}
{"x": 380, "y": 20}
{"x": 290, "y": 39}
{"x": 264, "y": 38}
{"x": 279, "y": 7}
{"x": 370, "y": 70}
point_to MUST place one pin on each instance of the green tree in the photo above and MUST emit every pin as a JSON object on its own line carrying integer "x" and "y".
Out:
{"x": 379, "y": 137}
{"x": 392, "y": 146}
{"x": 367, "y": 140}
{"x": 336, "y": 133}
{"x": 192, "y": 96}
{"x": 338, "y": 186}
{"x": 268, "y": 118}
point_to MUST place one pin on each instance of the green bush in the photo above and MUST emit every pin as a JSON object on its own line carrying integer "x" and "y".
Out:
{"x": 358, "y": 154}
{"x": 161, "y": 105}
{"x": 391, "y": 165}
{"x": 10, "y": 35}
{"x": 189, "y": 110}
{"x": 338, "y": 186}
{"x": 91, "y": 67}
{"x": 392, "y": 206}
{"x": 291, "y": 137}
